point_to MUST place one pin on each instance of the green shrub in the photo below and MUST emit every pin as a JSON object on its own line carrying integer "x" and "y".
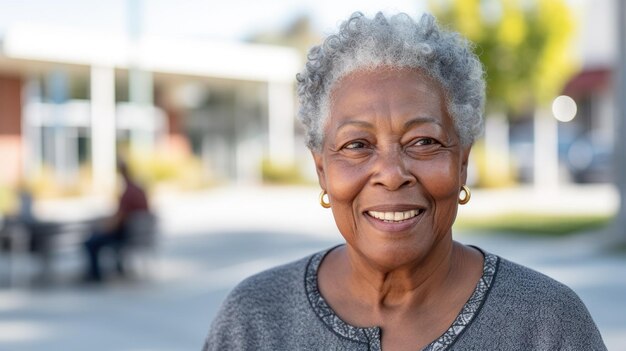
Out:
{"x": 273, "y": 173}
{"x": 489, "y": 176}
{"x": 7, "y": 199}
{"x": 533, "y": 223}
{"x": 181, "y": 172}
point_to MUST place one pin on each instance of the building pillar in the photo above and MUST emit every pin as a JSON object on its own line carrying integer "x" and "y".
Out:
{"x": 103, "y": 138}
{"x": 546, "y": 148}
{"x": 619, "y": 227}
{"x": 57, "y": 84}
{"x": 497, "y": 148}
{"x": 32, "y": 130}
{"x": 281, "y": 123}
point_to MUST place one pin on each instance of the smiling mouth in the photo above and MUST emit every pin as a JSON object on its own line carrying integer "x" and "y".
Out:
{"x": 395, "y": 217}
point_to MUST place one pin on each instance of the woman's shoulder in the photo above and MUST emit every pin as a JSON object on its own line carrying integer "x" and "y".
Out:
{"x": 519, "y": 288}
{"x": 533, "y": 311}
{"x": 516, "y": 280}
{"x": 277, "y": 282}
{"x": 263, "y": 306}
{"x": 270, "y": 293}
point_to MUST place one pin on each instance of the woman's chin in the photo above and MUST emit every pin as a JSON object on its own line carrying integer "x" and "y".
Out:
{"x": 394, "y": 256}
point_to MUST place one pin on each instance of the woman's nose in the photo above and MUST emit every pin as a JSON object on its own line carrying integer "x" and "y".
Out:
{"x": 391, "y": 171}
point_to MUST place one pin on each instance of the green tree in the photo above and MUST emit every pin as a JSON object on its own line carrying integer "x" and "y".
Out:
{"x": 525, "y": 47}
{"x": 523, "y": 44}
{"x": 298, "y": 34}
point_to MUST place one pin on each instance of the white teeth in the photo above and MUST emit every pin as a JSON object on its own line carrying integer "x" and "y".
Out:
{"x": 394, "y": 216}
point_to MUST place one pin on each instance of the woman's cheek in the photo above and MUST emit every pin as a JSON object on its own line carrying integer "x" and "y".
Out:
{"x": 344, "y": 181}
{"x": 441, "y": 179}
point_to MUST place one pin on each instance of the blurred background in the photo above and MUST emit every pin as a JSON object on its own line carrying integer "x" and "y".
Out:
{"x": 198, "y": 98}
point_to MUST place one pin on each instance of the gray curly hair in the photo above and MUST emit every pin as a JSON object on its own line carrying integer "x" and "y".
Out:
{"x": 398, "y": 42}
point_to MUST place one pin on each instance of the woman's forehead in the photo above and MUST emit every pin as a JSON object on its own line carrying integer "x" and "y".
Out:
{"x": 386, "y": 92}
{"x": 384, "y": 73}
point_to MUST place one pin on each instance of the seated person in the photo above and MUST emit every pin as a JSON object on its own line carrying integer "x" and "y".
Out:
{"x": 115, "y": 232}
{"x": 16, "y": 228}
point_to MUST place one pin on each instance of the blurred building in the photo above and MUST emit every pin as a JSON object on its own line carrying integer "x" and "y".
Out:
{"x": 585, "y": 144}
{"x": 591, "y": 135}
{"x": 69, "y": 99}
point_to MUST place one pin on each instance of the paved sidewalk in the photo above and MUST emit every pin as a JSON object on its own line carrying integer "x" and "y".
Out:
{"x": 212, "y": 240}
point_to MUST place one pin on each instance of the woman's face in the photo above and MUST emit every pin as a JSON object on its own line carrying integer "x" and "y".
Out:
{"x": 392, "y": 165}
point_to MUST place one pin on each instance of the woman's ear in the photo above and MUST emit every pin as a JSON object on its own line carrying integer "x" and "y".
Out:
{"x": 319, "y": 168}
{"x": 465, "y": 152}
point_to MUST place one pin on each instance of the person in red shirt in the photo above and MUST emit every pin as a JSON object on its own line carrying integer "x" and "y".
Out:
{"x": 114, "y": 232}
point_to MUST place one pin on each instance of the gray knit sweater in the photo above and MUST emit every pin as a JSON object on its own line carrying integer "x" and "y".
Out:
{"x": 512, "y": 308}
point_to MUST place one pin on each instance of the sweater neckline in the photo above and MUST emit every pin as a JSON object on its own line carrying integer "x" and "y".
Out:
{"x": 371, "y": 335}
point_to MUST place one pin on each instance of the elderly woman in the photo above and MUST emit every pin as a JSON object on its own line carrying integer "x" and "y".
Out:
{"x": 391, "y": 109}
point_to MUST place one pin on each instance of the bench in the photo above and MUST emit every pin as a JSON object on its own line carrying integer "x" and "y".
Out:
{"x": 39, "y": 240}
{"x": 20, "y": 243}
{"x": 141, "y": 239}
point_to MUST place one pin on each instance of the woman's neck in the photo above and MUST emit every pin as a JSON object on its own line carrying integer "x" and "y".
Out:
{"x": 425, "y": 296}
{"x": 413, "y": 284}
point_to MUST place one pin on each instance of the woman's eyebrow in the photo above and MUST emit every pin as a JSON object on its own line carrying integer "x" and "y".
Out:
{"x": 408, "y": 124}
{"x": 422, "y": 120}
{"x": 355, "y": 122}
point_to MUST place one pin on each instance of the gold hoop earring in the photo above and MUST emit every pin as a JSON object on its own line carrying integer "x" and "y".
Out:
{"x": 468, "y": 195}
{"x": 325, "y": 204}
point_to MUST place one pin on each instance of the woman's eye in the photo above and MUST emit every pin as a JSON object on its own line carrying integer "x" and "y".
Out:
{"x": 425, "y": 141}
{"x": 354, "y": 145}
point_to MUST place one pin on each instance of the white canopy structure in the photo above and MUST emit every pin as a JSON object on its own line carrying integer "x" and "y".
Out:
{"x": 101, "y": 54}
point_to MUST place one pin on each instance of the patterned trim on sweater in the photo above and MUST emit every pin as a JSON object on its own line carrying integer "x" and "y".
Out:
{"x": 371, "y": 336}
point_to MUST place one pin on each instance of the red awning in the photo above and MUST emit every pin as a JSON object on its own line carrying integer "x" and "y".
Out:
{"x": 588, "y": 81}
